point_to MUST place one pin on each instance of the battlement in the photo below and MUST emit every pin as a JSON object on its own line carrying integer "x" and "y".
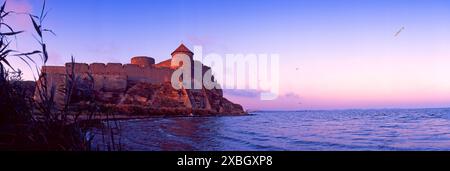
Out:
{"x": 77, "y": 67}
{"x": 97, "y": 68}
{"x": 54, "y": 69}
{"x": 114, "y": 69}
{"x": 141, "y": 69}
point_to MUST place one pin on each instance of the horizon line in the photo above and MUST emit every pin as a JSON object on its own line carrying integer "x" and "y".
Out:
{"x": 347, "y": 109}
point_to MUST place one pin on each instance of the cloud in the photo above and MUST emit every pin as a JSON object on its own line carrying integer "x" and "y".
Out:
{"x": 104, "y": 49}
{"x": 55, "y": 58}
{"x": 257, "y": 93}
{"x": 291, "y": 95}
{"x": 243, "y": 93}
{"x": 200, "y": 40}
{"x": 19, "y": 21}
{"x": 250, "y": 99}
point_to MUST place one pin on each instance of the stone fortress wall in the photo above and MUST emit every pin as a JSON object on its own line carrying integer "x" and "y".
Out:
{"x": 113, "y": 76}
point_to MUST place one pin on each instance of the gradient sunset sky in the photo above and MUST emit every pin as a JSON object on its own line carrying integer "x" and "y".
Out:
{"x": 334, "y": 54}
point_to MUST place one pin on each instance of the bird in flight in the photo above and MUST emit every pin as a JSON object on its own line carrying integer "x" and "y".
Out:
{"x": 400, "y": 31}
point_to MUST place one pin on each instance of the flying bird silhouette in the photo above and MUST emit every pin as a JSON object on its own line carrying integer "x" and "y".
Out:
{"x": 400, "y": 31}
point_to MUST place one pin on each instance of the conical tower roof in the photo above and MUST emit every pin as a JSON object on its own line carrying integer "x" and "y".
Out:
{"x": 184, "y": 50}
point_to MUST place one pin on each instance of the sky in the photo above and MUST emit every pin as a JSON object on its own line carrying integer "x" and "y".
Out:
{"x": 334, "y": 54}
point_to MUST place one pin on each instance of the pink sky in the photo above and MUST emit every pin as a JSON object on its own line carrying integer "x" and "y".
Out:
{"x": 347, "y": 54}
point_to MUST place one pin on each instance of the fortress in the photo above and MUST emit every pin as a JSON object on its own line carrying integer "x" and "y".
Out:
{"x": 138, "y": 84}
{"x": 115, "y": 76}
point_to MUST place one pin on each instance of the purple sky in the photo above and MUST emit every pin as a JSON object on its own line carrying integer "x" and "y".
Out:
{"x": 346, "y": 51}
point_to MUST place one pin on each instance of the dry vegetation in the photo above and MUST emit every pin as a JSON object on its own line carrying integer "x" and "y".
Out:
{"x": 29, "y": 124}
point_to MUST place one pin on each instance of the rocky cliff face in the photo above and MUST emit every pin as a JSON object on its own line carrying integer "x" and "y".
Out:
{"x": 150, "y": 99}
{"x": 161, "y": 99}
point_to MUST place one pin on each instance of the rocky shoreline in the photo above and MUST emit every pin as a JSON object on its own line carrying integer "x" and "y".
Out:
{"x": 144, "y": 100}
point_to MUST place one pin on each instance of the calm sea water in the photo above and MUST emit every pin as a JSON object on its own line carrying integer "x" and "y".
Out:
{"x": 418, "y": 129}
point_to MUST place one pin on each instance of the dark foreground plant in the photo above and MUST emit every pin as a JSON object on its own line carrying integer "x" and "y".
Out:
{"x": 36, "y": 120}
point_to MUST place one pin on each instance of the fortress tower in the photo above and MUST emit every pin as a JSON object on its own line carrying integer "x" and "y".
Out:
{"x": 143, "y": 61}
{"x": 181, "y": 52}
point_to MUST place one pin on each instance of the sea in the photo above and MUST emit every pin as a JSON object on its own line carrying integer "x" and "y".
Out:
{"x": 320, "y": 130}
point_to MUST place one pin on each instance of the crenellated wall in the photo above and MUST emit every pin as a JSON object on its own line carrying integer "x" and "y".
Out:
{"x": 107, "y": 78}
{"x": 147, "y": 74}
{"x": 54, "y": 69}
{"x": 113, "y": 76}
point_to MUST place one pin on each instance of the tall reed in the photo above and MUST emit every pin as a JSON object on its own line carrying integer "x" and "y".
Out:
{"x": 42, "y": 124}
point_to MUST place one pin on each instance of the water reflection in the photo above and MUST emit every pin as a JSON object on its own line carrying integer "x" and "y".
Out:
{"x": 169, "y": 134}
{"x": 422, "y": 129}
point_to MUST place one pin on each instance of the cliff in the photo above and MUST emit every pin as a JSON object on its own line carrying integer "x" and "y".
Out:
{"x": 162, "y": 99}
